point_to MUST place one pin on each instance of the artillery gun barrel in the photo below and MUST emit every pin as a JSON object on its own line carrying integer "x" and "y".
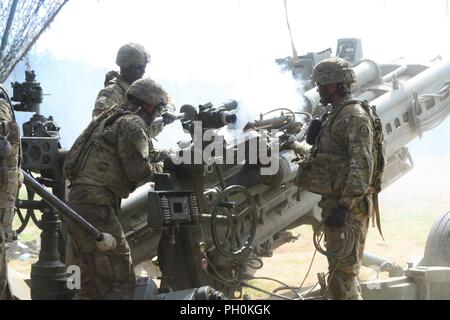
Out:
{"x": 104, "y": 241}
{"x": 416, "y": 106}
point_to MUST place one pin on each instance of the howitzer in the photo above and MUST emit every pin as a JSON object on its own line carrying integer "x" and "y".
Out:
{"x": 214, "y": 219}
{"x": 210, "y": 221}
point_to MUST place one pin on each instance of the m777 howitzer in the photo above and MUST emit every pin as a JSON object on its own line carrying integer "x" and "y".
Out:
{"x": 209, "y": 223}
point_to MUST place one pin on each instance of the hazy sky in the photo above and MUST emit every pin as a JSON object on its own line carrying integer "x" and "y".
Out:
{"x": 216, "y": 39}
{"x": 213, "y": 50}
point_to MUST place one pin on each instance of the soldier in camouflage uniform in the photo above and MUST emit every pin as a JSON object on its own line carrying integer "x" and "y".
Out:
{"x": 10, "y": 181}
{"x": 132, "y": 58}
{"x": 116, "y": 163}
{"x": 341, "y": 166}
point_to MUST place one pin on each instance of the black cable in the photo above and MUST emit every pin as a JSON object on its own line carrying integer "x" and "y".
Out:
{"x": 233, "y": 282}
{"x": 280, "y": 282}
{"x": 348, "y": 237}
{"x": 309, "y": 270}
{"x": 267, "y": 292}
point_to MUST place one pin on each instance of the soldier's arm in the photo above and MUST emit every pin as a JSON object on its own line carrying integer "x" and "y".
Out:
{"x": 133, "y": 149}
{"x": 5, "y": 112}
{"x": 156, "y": 155}
{"x": 8, "y": 127}
{"x": 106, "y": 98}
{"x": 359, "y": 140}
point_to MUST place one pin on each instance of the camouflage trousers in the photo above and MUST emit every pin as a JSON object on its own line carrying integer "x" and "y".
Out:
{"x": 343, "y": 272}
{"x": 6, "y": 216}
{"x": 3, "y": 273}
{"x": 104, "y": 274}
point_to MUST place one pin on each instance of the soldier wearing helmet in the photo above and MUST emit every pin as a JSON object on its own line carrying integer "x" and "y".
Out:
{"x": 132, "y": 58}
{"x": 117, "y": 159}
{"x": 340, "y": 166}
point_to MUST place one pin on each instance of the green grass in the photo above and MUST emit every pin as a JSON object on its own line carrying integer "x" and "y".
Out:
{"x": 31, "y": 232}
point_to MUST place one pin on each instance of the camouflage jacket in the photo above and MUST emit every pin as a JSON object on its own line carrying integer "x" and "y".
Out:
{"x": 113, "y": 94}
{"x": 341, "y": 161}
{"x": 120, "y": 159}
{"x": 10, "y": 175}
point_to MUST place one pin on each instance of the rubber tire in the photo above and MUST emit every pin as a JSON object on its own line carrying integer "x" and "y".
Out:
{"x": 437, "y": 248}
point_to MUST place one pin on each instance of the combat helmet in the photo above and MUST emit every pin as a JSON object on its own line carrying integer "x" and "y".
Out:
{"x": 148, "y": 91}
{"x": 130, "y": 54}
{"x": 333, "y": 70}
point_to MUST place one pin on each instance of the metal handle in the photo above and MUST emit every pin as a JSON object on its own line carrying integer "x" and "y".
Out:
{"x": 104, "y": 241}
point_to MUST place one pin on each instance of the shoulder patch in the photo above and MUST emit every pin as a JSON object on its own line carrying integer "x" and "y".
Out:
{"x": 364, "y": 131}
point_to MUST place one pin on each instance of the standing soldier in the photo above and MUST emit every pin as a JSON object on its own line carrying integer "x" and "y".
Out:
{"x": 10, "y": 181}
{"x": 132, "y": 58}
{"x": 344, "y": 166}
{"x": 106, "y": 163}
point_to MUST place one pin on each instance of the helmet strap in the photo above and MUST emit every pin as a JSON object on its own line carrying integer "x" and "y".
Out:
{"x": 343, "y": 89}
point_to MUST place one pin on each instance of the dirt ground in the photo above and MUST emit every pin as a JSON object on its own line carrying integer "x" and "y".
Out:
{"x": 409, "y": 208}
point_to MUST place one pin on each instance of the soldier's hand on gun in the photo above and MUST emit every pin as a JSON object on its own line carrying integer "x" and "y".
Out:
{"x": 291, "y": 141}
{"x": 300, "y": 148}
{"x": 168, "y": 118}
{"x": 158, "y": 167}
{"x": 336, "y": 218}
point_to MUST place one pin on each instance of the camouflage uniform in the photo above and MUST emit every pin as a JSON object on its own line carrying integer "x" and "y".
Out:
{"x": 9, "y": 186}
{"x": 112, "y": 94}
{"x": 117, "y": 163}
{"x": 340, "y": 167}
{"x": 349, "y": 139}
{"x": 128, "y": 55}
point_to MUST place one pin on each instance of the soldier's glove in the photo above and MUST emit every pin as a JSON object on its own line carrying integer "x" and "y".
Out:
{"x": 336, "y": 218}
{"x": 158, "y": 167}
{"x": 109, "y": 76}
{"x": 291, "y": 141}
{"x": 168, "y": 118}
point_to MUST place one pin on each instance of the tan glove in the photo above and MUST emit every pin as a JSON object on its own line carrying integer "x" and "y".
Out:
{"x": 300, "y": 148}
{"x": 157, "y": 167}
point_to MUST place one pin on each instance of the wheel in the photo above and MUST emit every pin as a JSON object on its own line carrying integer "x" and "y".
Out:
{"x": 437, "y": 248}
{"x": 233, "y": 227}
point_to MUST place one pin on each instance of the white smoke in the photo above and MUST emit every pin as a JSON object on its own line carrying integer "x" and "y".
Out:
{"x": 263, "y": 88}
